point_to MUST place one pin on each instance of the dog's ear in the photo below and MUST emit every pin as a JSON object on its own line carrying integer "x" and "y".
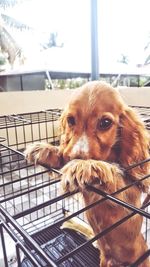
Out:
{"x": 63, "y": 130}
{"x": 134, "y": 146}
{"x": 62, "y": 122}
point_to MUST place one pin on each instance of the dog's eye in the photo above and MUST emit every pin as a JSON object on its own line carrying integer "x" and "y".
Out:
{"x": 104, "y": 124}
{"x": 71, "y": 121}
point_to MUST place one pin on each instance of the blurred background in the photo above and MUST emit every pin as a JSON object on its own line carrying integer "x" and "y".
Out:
{"x": 55, "y": 36}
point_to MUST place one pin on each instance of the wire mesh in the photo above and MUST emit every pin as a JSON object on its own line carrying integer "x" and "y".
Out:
{"x": 32, "y": 208}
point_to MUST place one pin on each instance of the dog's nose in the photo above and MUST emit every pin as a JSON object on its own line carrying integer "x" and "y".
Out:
{"x": 80, "y": 156}
{"x": 80, "y": 150}
{"x": 77, "y": 157}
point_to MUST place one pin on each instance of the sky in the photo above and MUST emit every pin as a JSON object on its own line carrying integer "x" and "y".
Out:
{"x": 126, "y": 27}
{"x": 123, "y": 28}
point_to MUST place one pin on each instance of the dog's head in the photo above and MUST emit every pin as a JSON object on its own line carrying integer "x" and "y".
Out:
{"x": 97, "y": 124}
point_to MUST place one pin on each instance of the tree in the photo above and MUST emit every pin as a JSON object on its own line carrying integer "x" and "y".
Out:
{"x": 8, "y": 44}
{"x": 7, "y": 3}
{"x": 53, "y": 40}
{"x": 123, "y": 59}
{"x": 147, "y": 49}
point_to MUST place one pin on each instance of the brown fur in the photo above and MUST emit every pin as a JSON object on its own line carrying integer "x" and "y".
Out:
{"x": 125, "y": 142}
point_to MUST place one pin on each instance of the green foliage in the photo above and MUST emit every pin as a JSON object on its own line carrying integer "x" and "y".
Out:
{"x": 123, "y": 59}
{"x": 144, "y": 80}
{"x": 2, "y": 60}
{"x": 147, "y": 60}
{"x": 14, "y": 23}
{"x": 68, "y": 83}
{"x": 8, "y": 3}
{"x": 65, "y": 83}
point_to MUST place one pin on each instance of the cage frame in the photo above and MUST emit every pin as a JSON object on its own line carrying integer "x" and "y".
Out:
{"x": 21, "y": 120}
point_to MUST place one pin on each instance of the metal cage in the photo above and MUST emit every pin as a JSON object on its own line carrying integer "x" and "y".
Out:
{"x": 32, "y": 208}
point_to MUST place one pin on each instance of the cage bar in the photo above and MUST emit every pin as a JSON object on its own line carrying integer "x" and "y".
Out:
{"x": 32, "y": 209}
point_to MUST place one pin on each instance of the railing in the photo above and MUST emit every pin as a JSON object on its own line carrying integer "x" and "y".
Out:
{"x": 35, "y": 80}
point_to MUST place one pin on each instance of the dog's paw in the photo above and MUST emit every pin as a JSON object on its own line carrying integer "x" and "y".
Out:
{"x": 44, "y": 154}
{"x": 112, "y": 263}
{"x": 79, "y": 173}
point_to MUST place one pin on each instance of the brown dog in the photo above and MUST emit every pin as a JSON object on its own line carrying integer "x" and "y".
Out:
{"x": 101, "y": 135}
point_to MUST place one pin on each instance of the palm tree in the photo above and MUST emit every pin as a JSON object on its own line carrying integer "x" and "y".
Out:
{"x": 123, "y": 59}
{"x": 7, "y": 3}
{"x": 147, "y": 48}
{"x": 8, "y": 44}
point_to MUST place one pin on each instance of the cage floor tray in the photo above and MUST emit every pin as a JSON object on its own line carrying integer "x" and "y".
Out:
{"x": 60, "y": 243}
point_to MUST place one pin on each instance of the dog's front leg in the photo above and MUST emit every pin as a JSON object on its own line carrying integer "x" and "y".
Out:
{"x": 44, "y": 154}
{"x": 79, "y": 173}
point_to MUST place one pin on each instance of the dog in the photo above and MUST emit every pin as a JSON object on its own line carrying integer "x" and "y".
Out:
{"x": 100, "y": 137}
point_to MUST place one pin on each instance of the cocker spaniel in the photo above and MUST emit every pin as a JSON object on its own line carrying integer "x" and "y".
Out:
{"x": 100, "y": 137}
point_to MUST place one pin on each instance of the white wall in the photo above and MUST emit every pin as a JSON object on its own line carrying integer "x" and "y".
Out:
{"x": 29, "y": 101}
{"x": 138, "y": 96}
